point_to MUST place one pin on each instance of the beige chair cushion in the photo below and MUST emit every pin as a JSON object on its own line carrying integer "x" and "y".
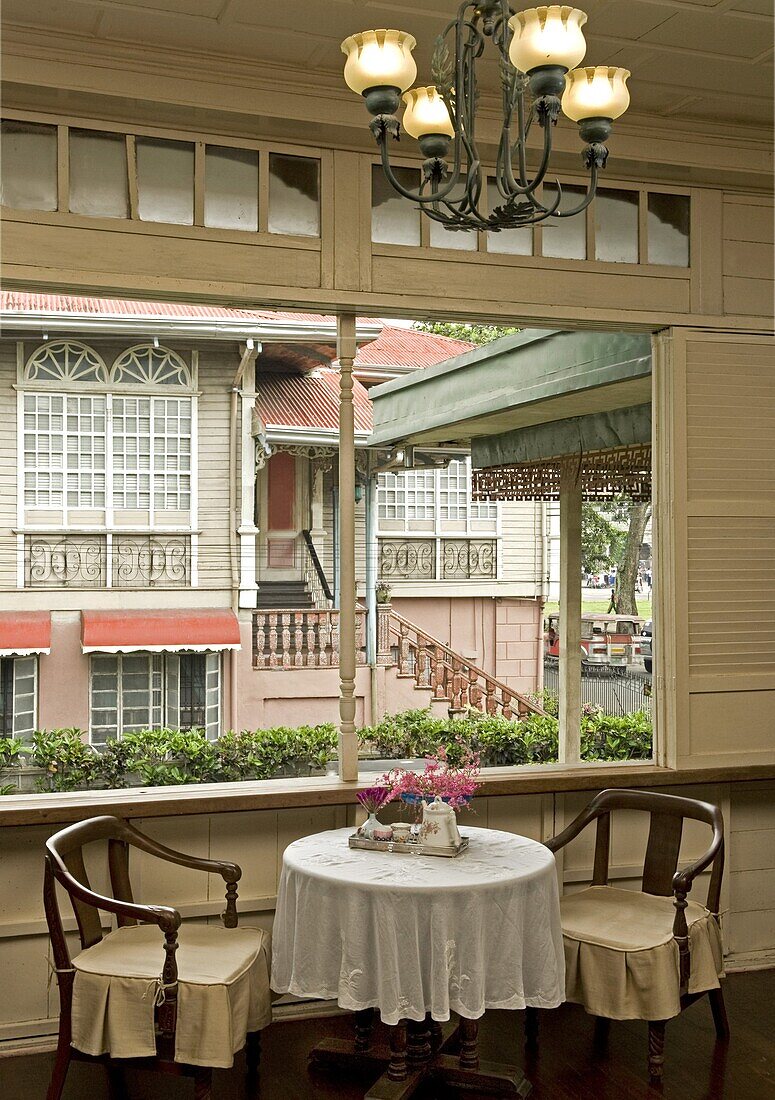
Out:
{"x": 621, "y": 960}
{"x": 223, "y": 992}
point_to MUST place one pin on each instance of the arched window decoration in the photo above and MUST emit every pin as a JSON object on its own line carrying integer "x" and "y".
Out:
{"x": 145, "y": 363}
{"x": 65, "y": 361}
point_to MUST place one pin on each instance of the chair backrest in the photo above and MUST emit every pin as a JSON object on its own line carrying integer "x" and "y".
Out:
{"x": 64, "y": 853}
{"x": 668, "y": 813}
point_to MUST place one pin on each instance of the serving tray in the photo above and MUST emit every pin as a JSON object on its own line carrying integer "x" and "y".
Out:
{"x": 398, "y": 847}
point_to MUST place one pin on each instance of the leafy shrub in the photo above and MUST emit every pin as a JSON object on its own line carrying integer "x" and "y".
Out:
{"x": 10, "y": 747}
{"x": 169, "y": 757}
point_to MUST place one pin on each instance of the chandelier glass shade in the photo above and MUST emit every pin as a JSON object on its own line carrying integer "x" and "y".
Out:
{"x": 539, "y": 51}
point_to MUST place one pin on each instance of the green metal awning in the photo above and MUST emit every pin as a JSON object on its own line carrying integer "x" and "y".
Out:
{"x": 518, "y": 382}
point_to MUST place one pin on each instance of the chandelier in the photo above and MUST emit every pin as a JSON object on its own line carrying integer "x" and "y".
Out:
{"x": 538, "y": 50}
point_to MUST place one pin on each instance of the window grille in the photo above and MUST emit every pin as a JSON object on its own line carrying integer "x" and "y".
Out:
{"x": 44, "y": 437}
{"x": 433, "y": 495}
{"x": 65, "y": 361}
{"x": 146, "y": 364}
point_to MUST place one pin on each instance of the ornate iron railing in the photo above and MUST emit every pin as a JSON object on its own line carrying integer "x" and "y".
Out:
{"x": 438, "y": 559}
{"x": 296, "y": 638}
{"x": 107, "y": 560}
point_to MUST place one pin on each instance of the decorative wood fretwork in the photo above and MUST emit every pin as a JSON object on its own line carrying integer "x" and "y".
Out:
{"x": 603, "y": 475}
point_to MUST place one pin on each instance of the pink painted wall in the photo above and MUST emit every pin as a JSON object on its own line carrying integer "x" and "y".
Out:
{"x": 63, "y": 676}
{"x": 499, "y": 634}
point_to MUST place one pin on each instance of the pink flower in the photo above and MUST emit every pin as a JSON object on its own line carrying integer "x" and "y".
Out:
{"x": 456, "y": 785}
{"x": 374, "y": 798}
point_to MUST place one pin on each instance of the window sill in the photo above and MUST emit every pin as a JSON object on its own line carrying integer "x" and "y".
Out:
{"x": 274, "y": 794}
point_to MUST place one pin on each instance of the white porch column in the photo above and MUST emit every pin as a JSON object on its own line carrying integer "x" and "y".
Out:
{"x": 348, "y": 741}
{"x": 570, "y": 616}
{"x": 247, "y": 530}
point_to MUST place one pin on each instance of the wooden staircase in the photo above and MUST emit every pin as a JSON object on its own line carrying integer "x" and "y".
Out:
{"x": 297, "y": 637}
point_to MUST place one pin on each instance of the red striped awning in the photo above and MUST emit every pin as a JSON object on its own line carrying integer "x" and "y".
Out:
{"x": 159, "y": 631}
{"x": 24, "y": 632}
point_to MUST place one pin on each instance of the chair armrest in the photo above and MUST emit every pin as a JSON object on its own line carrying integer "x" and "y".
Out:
{"x": 167, "y": 918}
{"x": 229, "y": 872}
{"x": 571, "y": 831}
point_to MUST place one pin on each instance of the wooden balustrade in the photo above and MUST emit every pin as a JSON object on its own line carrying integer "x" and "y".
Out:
{"x": 296, "y": 638}
{"x": 450, "y": 676}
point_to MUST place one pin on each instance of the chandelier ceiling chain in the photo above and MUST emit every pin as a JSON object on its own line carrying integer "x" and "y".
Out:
{"x": 538, "y": 50}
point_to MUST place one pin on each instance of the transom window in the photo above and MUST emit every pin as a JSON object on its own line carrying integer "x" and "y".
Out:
{"x": 131, "y": 692}
{"x": 65, "y": 361}
{"x": 148, "y": 364}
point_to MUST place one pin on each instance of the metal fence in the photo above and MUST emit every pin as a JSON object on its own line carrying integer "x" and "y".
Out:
{"x": 614, "y": 691}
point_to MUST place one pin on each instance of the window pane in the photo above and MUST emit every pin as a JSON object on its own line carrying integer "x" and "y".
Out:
{"x": 616, "y": 226}
{"x": 165, "y": 180}
{"x": 28, "y": 178}
{"x": 668, "y": 230}
{"x": 512, "y": 242}
{"x": 565, "y": 238}
{"x": 6, "y": 697}
{"x": 193, "y": 690}
{"x": 394, "y": 219}
{"x": 463, "y": 239}
{"x": 294, "y": 195}
{"x": 231, "y": 188}
{"x": 98, "y": 174}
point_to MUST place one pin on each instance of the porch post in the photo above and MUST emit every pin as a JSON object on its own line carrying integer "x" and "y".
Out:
{"x": 570, "y": 616}
{"x": 247, "y": 530}
{"x": 348, "y": 742}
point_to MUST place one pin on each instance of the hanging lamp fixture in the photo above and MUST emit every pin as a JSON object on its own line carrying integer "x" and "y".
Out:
{"x": 539, "y": 51}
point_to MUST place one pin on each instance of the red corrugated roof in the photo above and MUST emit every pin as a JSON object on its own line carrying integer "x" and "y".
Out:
{"x": 13, "y": 301}
{"x": 309, "y": 401}
{"x": 406, "y": 347}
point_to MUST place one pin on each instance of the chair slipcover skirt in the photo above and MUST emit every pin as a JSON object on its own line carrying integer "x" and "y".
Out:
{"x": 223, "y": 992}
{"x": 621, "y": 960}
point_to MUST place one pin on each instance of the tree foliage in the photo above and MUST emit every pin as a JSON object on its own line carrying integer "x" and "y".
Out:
{"x": 474, "y": 334}
{"x": 602, "y": 542}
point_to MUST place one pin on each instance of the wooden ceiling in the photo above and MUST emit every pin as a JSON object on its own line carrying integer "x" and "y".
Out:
{"x": 708, "y": 61}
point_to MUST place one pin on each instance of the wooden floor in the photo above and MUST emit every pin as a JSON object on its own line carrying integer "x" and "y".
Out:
{"x": 568, "y": 1066}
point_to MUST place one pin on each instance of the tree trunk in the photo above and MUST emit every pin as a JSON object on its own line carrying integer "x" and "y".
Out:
{"x": 627, "y": 573}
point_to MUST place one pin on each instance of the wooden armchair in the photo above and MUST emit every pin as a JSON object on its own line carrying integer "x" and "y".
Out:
{"x": 142, "y": 992}
{"x": 645, "y": 954}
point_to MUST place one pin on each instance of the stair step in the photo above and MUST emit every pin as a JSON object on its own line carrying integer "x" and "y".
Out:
{"x": 284, "y": 595}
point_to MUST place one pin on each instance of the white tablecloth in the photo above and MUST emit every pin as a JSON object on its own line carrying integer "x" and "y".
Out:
{"x": 410, "y": 934}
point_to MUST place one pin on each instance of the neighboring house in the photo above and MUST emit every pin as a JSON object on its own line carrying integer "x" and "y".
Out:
{"x": 168, "y": 504}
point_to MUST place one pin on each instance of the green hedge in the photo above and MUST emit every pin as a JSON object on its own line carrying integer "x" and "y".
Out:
{"x": 168, "y": 757}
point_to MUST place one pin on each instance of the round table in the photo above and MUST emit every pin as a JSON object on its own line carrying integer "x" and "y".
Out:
{"x": 417, "y": 936}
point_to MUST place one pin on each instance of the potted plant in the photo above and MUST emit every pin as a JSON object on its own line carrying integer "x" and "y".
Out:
{"x": 382, "y": 592}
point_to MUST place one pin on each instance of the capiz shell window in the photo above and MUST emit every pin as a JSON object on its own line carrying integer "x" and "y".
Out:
{"x": 131, "y": 692}
{"x": 18, "y": 696}
{"x": 294, "y": 195}
{"x": 28, "y": 170}
{"x": 165, "y": 180}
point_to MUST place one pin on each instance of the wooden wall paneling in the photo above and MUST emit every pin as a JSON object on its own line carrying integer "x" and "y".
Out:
{"x": 706, "y": 294}
{"x": 747, "y": 254}
{"x": 327, "y": 216}
{"x": 349, "y": 219}
{"x": 248, "y": 839}
{"x": 131, "y": 167}
{"x": 522, "y": 814}
{"x": 63, "y": 169}
{"x": 158, "y": 883}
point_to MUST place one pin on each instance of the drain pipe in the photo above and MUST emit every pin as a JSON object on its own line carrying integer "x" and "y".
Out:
{"x": 249, "y": 352}
{"x": 543, "y": 589}
{"x": 372, "y": 551}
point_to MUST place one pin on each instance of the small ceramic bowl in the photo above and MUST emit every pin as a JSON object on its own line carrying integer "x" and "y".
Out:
{"x": 382, "y": 832}
{"x": 402, "y": 833}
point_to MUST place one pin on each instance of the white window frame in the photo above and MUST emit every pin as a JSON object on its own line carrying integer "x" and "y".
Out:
{"x": 167, "y": 667}
{"x": 19, "y": 673}
{"x": 71, "y": 387}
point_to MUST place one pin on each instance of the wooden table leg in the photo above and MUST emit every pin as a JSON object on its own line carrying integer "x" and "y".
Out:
{"x": 398, "y": 1070}
{"x": 469, "y": 1044}
{"x": 364, "y": 1026}
{"x": 436, "y": 1033}
{"x": 419, "y": 1048}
